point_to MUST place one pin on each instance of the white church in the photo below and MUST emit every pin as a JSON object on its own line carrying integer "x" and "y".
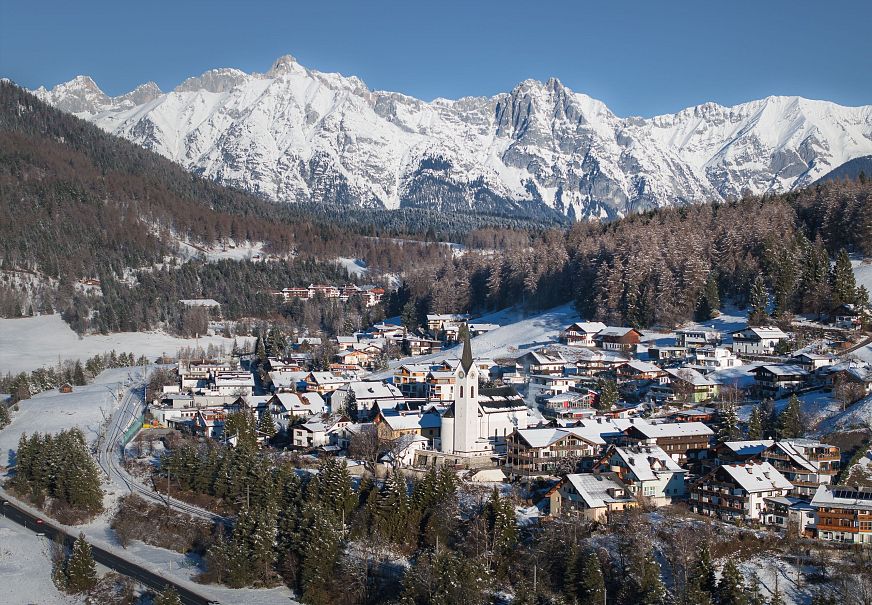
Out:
{"x": 476, "y": 424}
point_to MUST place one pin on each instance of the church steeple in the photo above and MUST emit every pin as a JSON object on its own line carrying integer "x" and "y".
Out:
{"x": 466, "y": 357}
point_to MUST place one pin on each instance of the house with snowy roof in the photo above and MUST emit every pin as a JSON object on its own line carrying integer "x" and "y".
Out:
{"x": 640, "y": 370}
{"x": 581, "y": 333}
{"x": 540, "y": 362}
{"x": 591, "y": 362}
{"x": 324, "y": 382}
{"x": 783, "y": 513}
{"x": 761, "y": 340}
{"x": 806, "y": 463}
{"x": 618, "y": 339}
{"x": 686, "y": 384}
{"x": 677, "y": 439}
{"x": 286, "y": 407}
{"x": 365, "y": 396}
{"x": 777, "y": 380}
{"x": 734, "y": 492}
{"x": 591, "y": 496}
{"x": 647, "y": 470}
{"x": 692, "y": 338}
{"x": 843, "y": 513}
{"x": 542, "y": 452}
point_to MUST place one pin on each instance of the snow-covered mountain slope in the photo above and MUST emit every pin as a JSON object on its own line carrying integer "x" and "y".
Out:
{"x": 297, "y": 134}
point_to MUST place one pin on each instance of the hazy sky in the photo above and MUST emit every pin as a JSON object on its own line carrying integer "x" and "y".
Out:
{"x": 641, "y": 58}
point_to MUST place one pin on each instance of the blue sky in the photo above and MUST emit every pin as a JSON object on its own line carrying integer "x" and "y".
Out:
{"x": 641, "y": 58}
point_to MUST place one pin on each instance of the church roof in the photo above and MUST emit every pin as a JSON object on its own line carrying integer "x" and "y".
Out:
{"x": 466, "y": 357}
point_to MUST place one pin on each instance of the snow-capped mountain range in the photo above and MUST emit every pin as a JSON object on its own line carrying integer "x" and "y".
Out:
{"x": 295, "y": 134}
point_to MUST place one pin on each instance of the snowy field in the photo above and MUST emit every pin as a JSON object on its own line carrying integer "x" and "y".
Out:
{"x": 354, "y": 266}
{"x": 863, "y": 272}
{"x": 519, "y": 333}
{"x": 859, "y": 414}
{"x": 32, "y": 342}
{"x": 52, "y": 412}
{"x": 25, "y": 567}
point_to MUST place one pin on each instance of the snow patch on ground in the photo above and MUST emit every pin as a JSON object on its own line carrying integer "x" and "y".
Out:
{"x": 354, "y": 266}
{"x": 32, "y": 342}
{"x": 25, "y": 566}
{"x": 518, "y": 333}
{"x": 52, "y": 411}
{"x": 858, "y": 414}
{"x": 863, "y": 272}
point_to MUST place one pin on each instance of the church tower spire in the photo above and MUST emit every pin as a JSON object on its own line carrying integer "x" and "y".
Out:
{"x": 466, "y": 356}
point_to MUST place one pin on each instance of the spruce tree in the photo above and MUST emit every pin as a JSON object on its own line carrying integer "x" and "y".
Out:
{"x": 755, "y": 424}
{"x": 729, "y": 429}
{"x": 759, "y": 302}
{"x": 266, "y": 427}
{"x": 81, "y": 571}
{"x": 790, "y": 421}
{"x": 503, "y": 527}
{"x": 591, "y": 584}
{"x": 731, "y": 587}
{"x": 78, "y": 374}
{"x": 608, "y": 394}
{"x": 842, "y": 282}
{"x": 393, "y": 510}
{"x": 704, "y": 569}
{"x": 320, "y": 557}
{"x": 710, "y": 302}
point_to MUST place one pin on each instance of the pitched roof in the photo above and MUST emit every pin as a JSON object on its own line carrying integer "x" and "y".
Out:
{"x": 615, "y": 331}
{"x": 761, "y": 332}
{"x": 672, "y": 429}
{"x": 594, "y": 489}
{"x": 843, "y": 496}
{"x": 690, "y": 376}
{"x": 757, "y": 477}
{"x": 646, "y": 461}
{"x": 588, "y": 327}
{"x": 749, "y": 447}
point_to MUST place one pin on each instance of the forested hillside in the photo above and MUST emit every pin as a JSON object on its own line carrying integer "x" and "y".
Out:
{"x": 670, "y": 265}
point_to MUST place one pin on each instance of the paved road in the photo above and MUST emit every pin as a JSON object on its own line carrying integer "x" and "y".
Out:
{"x": 104, "y": 557}
{"x": 110, "y": 448}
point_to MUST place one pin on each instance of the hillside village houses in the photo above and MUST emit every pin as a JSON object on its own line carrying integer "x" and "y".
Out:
{"x": 536, "y": 415}
{"x": 757, "y": 340}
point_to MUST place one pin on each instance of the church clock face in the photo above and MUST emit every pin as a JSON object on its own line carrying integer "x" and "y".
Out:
{"x": 461, "y": 375}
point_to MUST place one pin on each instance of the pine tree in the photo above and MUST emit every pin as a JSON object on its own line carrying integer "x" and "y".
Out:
{"x": 790, "y": 422}
{"x": 260, "y": 351}
{"x": 755, "y": 424}
{"x": 710, "y": 302}
{"x": 320, "y": 556}
{"x": 503, "y": 528}
{"x": 168, "y": 596}
{"x": 759, "y": 302}
{"x": 81, "y": 572}
{"x": 704, "y": 569}
{"x": 731, "y": 587}
{"x": 608, "y": 394}
{"x": 844, "y": 286}
{"x": 591, "y": 584}
{"x": 729, "y": 429}
{"x": 266, "y": 427}
{"x": 78, "y": 374}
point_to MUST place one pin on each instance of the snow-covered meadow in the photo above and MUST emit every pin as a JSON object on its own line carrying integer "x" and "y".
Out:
{"x": 25, "y": 566}
{"x": 32, "y": 342}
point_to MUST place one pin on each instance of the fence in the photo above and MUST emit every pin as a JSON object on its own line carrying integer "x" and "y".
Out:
{"x": 132, "y": 430}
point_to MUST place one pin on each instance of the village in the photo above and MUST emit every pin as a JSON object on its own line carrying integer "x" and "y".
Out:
{"x": 601, "y": 420}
